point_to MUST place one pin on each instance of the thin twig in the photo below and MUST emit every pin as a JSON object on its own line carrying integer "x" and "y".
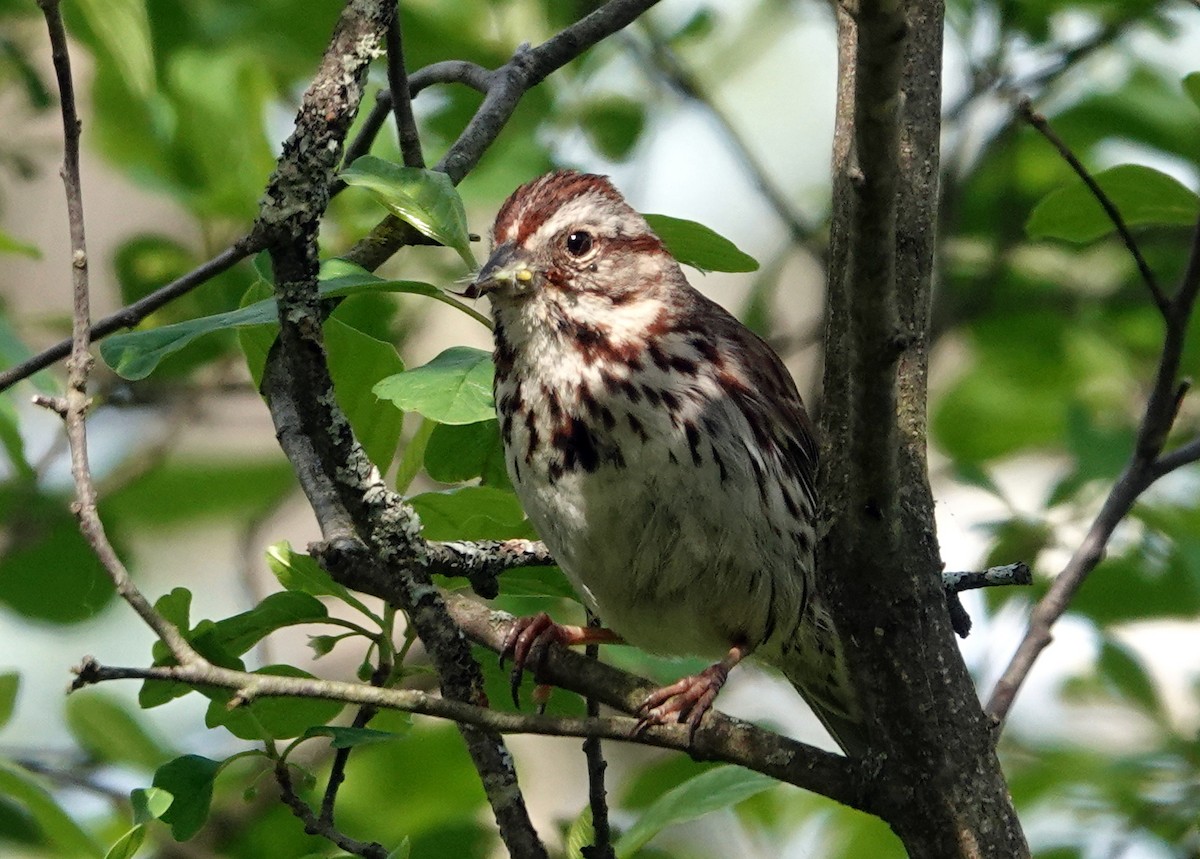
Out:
{"x": 73, "y": 407}
{"x": 406, "y": 123}
{"x": 1009, "y": 574}
{"x": 361, "y": 144}
{"x": 321, "y": 827}
{"x": 1042, "y": 126}
{"x": 1146, "y": 465}
{"x": 381, "y": 677}
{"x": 667, "y": 63}
{"x": 601, "y": 846}
{"x": 131, "y": 315}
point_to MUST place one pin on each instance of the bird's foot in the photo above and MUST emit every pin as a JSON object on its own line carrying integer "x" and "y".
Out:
{"x": 529, "y": 640}
{"x": 685, "y": 701}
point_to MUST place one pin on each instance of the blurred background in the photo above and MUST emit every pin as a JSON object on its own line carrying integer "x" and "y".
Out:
{"x": 720, "y": 112}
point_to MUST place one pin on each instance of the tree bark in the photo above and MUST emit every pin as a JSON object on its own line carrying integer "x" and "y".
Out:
{"x": 935, "y": 776}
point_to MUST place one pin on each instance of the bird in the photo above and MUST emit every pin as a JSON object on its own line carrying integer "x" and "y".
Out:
{"x": 662, "y": 452}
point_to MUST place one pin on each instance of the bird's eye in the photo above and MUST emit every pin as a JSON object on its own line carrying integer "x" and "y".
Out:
{"x": 579, "y": 242}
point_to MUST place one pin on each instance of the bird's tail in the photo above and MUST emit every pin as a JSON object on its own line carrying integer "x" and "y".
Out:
{"x": 816, "y": 666}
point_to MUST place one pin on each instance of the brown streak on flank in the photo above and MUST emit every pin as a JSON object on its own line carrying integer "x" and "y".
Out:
{"x": 636, "y": 426}
{"x": 720, "y": 465}
{"x": 552, "y": 404}
{"x": 531, "y": 426}
{"x": 658, "y": 355}
{"x": 707, "y": 350}
{"x": 693, "y": 439}
{"x": 594, "y": 344}
{"x": 504, "y": 355}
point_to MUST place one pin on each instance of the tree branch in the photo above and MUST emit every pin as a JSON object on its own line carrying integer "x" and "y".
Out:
{"x": 1146, "y": 465}
{"x": 1009, "y": 574}
{"x": 601, "y": 846}
{"x": 319, "y": 826}
{"x": 720, "y": 737}
{"x": 406, "y": 124}
{"x": 939, "y": 783}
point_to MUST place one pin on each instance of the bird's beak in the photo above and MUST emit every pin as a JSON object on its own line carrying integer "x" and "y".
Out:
{"x": 508, "y": 268}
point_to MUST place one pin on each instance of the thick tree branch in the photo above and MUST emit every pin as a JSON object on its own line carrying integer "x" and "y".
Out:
{"x": 938, "y": 783}
{"x": 1147, "y": 463}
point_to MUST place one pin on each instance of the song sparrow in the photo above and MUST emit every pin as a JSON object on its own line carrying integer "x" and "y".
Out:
{"x": 661, "y": 450}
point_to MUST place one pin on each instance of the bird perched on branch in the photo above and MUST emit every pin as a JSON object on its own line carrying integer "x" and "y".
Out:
{"x": 660, "y": 448}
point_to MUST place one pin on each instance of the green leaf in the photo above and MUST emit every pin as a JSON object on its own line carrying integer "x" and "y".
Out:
{"x": 13, "y": 351}
{"x": 1141, "y": 194}
{"x": 471, "y": 513}
{"x": 718, "y": 788}
{"x": 347, "y": 738}
{"x": 127, "y": 846}
{"x": 123, "y": 28}
{"x": 413, "y": 456}
{"x": 299, "y": 572}
{"x": 1123, "y": 669}
{"x": 48, "y": 571}
{"x": 456, "y": 453}
{"x": 10, "y": 685}
{"x": 537, "y": 582}
{"x": 107, "y": 730}
{"x": 189, "y": 779}
{"x": 135, "y": 355}
{"x": 356, "y": 362}
{"x": 427, "y": 199}
{"x": 176, "y": 607}
{"x": 237, "y": 634}
{"x": 149, "y": 803}
{"x": 59, "y": 829}
{"x": 12, "y": 245}
{"x": 403, "y": 851}
{"x": 453, "y": 388}
{"x": 613, "y": 125}
{"x": 190, "y": 491}
{"x": 1191, "y": 86}
{"x": 275, "y": 718}
{"x": 696, "y": 245}
{"x": 581, "y": 834}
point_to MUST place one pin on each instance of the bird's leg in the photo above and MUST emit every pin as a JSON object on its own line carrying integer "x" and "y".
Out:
{"x": 529, "y": 639}
{"x": 687, "y": 700}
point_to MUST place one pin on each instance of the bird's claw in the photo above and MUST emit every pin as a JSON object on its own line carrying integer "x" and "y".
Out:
{"x": 527, "y": 643}
{"x": 685, "y": 701}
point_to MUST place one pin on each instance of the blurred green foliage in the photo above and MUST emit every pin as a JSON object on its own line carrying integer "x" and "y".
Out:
{"x": 1056, "y": 342}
